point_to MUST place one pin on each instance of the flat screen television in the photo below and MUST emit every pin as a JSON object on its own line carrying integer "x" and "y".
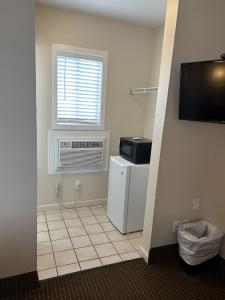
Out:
{"x": 202, "y": 91}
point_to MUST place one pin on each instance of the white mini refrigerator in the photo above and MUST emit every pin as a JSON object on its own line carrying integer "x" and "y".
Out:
{"x": 127, "y": 194}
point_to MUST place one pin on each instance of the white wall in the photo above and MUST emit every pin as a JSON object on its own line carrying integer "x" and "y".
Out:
{"x": 191, "y": 160}
{"x": 130, "y": 50}
{"x": 18, "y": 138}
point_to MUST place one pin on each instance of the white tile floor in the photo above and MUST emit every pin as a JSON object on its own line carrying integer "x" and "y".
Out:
{"x": 70, "y": 240}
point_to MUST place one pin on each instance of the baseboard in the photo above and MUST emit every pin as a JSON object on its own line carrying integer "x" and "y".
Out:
{"x": 213, "y": 264}
{"x": 171, "y": 252}
{"x": 19, "y": 284}
{"x": 163, "y": 253}
{"x": 221, "y": 268}
{"x": 54, "y": 206}
{"x": 91, "y": 202}
{"x": 143, "y": 254}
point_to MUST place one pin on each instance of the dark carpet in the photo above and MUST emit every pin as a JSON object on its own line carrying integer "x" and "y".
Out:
{"x": 129, "y": 280}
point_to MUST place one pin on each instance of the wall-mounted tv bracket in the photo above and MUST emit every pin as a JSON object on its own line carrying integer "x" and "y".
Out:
{"x": 222, "y": 56}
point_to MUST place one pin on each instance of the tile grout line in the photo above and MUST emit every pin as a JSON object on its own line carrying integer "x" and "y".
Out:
{"x": 92, "y": 244}
{"x": 102, "y": 243}
{"x": 112, "y": 241}
{"x": 117, "y": 253}
{"x": 87, "y": 234}
{"x": 52, "y": 248}
{"x": 53, "y": 252}
{"x": 98, "y": 257}
{"x": 71, "y": 239}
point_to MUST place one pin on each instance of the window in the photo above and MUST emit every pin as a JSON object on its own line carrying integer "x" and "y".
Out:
{"x": 79, "y": 88}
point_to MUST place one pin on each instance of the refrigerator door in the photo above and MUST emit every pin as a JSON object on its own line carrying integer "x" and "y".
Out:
{"x": 137, "y": 197}
{"x": 119, "y": 176}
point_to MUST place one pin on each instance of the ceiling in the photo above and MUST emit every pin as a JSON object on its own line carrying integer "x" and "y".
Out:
{"x": 144, "y": 12}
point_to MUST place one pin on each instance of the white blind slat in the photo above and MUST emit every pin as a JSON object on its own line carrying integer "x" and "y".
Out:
{"x": 79, "y": 91}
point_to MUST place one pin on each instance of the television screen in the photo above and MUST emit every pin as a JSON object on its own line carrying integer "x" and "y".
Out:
{"x": 202, "y": 91}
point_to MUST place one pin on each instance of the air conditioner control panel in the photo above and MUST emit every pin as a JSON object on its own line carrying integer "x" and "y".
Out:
{"x": 80, "y": 144}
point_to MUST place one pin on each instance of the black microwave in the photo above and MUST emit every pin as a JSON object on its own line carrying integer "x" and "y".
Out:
{"x": 136, "y": 149}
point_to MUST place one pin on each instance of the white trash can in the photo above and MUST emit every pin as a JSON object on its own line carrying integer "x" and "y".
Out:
{"x": 198, "y": 242}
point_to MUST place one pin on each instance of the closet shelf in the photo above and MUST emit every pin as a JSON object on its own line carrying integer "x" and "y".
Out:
{"x": 143, "y": 90}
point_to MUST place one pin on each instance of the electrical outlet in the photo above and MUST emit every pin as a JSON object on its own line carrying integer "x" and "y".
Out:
{"x": 195, "y": 204}
{"x": 175, "y": 225}
{"x": 58, "y": 190}
{"x": 185, "y": 221}
{"x": 77, "y": 184}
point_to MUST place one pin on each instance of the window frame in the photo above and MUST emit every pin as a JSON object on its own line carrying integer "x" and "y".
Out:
{"x": 76, "y": 52}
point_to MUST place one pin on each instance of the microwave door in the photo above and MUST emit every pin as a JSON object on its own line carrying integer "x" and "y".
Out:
{"x": 127, "y": 151}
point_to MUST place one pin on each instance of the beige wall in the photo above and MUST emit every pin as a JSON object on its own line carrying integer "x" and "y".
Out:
{"x": 213, "y": 206}
{"x": 164, "y": 79}
{"x": 18, "y": 203}
{"x": 130, "y": 50}
{"x": 156, "y": 56}
{"x": 192, "y": 153}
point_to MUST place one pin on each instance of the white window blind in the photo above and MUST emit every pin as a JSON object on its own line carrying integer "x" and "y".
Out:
{"x": 79, "y": 90}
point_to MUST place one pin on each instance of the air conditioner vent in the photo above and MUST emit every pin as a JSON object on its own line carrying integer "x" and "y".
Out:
{"x": 70, "y": 154}
{"x": 81, "y": 154}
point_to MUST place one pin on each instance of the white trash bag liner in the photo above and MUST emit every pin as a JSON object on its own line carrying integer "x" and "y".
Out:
{"x": 198, "y": 242}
